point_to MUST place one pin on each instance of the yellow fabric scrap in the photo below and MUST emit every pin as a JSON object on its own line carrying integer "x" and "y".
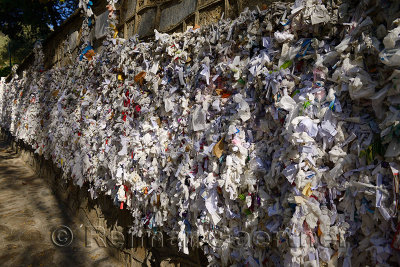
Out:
{"x": 307, "y": 190}
{"x": 298, "y": 199}
{"x": 218, "y": 148}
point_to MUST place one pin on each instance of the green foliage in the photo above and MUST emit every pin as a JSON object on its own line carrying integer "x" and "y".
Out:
{"x": 5, "y": 71}
{"x": 376, "y": 148}
{"x": 26, "y": 21}
{"x": 3, "y": 49}
{"x": 16, "y": 14}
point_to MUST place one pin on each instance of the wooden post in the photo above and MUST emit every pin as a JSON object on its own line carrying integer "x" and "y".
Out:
{"x": 125, "y": 31}
{"x": 196, "y": 17}
{"x": 9, "y": 52}
{"x": 239, "y": 6}
{"x": 158, "y": 17}
{"x": 226, "y": 8}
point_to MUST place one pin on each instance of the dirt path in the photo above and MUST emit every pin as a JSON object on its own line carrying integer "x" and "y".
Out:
{"x": 29, "y": 213}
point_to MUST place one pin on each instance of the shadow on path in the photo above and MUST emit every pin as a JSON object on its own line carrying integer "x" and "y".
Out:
{"x": 29, "y": 212}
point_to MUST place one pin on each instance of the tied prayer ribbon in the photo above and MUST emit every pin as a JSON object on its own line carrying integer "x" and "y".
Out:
{"x": 396, "y": 239}
{"x": 308, "y": 232}
{"x": 306, "y": 45}
{"x": 139, "y": 78}
{"x": 112, "y": 26}
{"x": 110, "y": 9}
{"x": 396, "y": 189}
{"x": 88, "y": 52}
{"x": 121, "y": 207}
